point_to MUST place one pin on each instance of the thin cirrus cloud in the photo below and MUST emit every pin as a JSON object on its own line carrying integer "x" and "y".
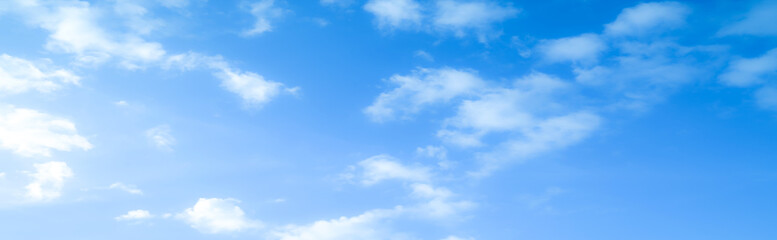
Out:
{"x": 648, "y": 18}
{"x": 264, "y": 11}
{"x": 19, "y": 75}
{"x": 461, "y": 18}
{"x": 161, "y": 136}
{"x": 131, "y": 189}
{"x": 759, "y": 22}
{"x": 433, "y": 203}
{"x": 747, "y": 72}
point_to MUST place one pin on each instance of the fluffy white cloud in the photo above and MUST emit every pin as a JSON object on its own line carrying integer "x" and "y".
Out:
{"x": 135, "y": 215}
{"x": 585, "y": 48}
{"x": 751, "y": 71}
{"x": 422, "y": 88}
{"x": 74, "y": 28}
{"x": 217, "y": 215}
{"x": 648, "y": 18}
{"x": 19, "y": 75}
{"x": 759, "y": 21}
{"x": 395, "y": 13}
{"x": 252, "y": 87}
{"x": 463, "y": 16}
{"x": 383, "y": 167}
{"x": 502, "y": 110}
{"x": 30, "y": 133}
{"x": 131, "y": 189}
{"x": 263, "y": 11}
{"x": 531, "y": 112}
{"x": 161, "y": 137}
{"x": 367, "y": 226}
{"x": 48, "y": 180}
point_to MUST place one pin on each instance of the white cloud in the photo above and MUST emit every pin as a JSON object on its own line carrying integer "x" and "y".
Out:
{"x": 457, "y": 238}
{"x": 48, "y": 180}
{"x": 264, "y": 12}
{"x": 422, "y": 88}
{"x": 30, "y": 133}
{"x": 641, "y": 74}
{"x": 750, "y": 71}
{"x": 462, "y": 16}
{"x": 759, "y": 21}
{"x": 367, "y": 226}
{"x": 532, "y": 113}
{"x": 19, "y": 75}
{"x": 121, "y": 103}
{"x": 648, "y": 18}
{"x": 502, "y": 110}
{"x": 160, "y": 136}
{"x": 437, "y": 202}
{"x": 766, "y": 98}
{"x": 585, "y": 48}
{"x": 131, "y": 189}
{"x": 135, "y": 215}
{"x": 432, "y": 152}
{"x": 539, "y": 137}
{"x": 395, "y": 13}
{"x": 383, "y": 167}
{"x": 253, "y": 88}
{"x": 217, "y": 215}
{"x": 74, "y": 28}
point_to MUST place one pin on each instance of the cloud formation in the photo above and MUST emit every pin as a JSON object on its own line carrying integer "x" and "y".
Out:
{"x": 647, "y": 18}
{"x": 264, "y": 11}
{"x": 19, "y": 75}
{"x": 135, "y": 215}
{"x": 217, "y": 215}
{"x": 461, "y": 18}
{"x": 48, "y": 181}
{"x": 30, "y": 133}
{"x": 161, "y": 137}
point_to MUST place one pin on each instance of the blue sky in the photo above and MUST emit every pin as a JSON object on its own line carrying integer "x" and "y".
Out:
{"x": 388, "y": 119}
